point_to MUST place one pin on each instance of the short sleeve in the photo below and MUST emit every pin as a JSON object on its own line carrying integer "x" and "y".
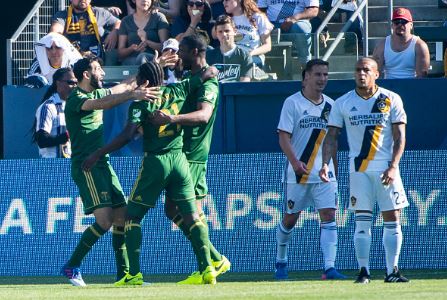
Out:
{"x": 398, "y": 114}
{"x": 287, "y": 117}
{"x": 336, "y": 117}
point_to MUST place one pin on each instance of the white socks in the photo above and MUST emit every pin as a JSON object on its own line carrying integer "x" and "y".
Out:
{"x": 362, "y": 238}
{"x": 283, "y": 236}
{"x": 328, "y": 243}
{"x": 392, "y": 242}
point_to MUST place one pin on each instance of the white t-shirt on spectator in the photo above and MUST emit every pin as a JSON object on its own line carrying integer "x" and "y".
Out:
{"x": 274, "y": 7}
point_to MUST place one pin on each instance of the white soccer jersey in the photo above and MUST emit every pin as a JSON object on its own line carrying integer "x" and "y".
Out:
{"x": 279, "y": 10}
{"x": 50, "y": 117}
{"x": 306, "y": 122}
{"x": 369, "y": 127}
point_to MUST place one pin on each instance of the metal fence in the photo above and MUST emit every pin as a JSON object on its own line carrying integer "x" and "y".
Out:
{"x": 20, "y": 48}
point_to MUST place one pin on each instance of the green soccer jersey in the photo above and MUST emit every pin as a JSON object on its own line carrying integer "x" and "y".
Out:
{"x": 197, "y": 139}
{"x": 160, "y": 139}
{"x": 85, "y": 127}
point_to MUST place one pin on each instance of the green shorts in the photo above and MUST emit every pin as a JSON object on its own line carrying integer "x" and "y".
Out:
{"x": 198, "y": 174}
{"x": 99, "y": 187}
{"x": 170, "y": 172}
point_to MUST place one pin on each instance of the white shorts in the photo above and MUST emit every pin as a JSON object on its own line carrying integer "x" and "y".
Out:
{"x": 318, "y": 195}
{"x": 366, "y": 189}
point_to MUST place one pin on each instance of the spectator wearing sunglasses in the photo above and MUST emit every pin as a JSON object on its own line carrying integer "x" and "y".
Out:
{"x": 53, "y": 51}
{"x": 195, "y": 18}
{"x": 402, "y": 54}
{"x": 49, "y": 130}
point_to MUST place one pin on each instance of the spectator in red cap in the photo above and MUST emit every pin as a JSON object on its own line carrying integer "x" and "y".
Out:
{"x": 402, "y": 54}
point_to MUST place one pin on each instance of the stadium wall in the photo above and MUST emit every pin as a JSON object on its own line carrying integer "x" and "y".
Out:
{"x": 41, "y": 218}
{"x": 247, "y": 116}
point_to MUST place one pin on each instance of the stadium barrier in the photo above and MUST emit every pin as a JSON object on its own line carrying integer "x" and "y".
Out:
{"x": 247, "y": 117}
{"x": 41, "y": 218}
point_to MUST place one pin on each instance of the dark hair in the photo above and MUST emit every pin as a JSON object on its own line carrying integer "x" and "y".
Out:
{"x": 58, "y": 75}
{"x": 224, "y": 20}
{"x": 194, "y": 41}
{"x": 134, "y": 6}
{"x": 207, "y": 12}
{"x": 314, "y": 62}
{"x": 84, "y": 64}
{"x": 152, "y": 72}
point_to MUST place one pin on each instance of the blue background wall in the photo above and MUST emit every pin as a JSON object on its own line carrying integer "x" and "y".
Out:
{"x": 245, "y": 202}
{"x": 248, "y": 115}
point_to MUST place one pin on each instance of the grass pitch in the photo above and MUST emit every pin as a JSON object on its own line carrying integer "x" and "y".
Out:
{"x": 425, "y": 284}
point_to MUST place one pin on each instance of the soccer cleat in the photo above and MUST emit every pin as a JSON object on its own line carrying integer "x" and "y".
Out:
{"x": 222, "y": 266}
{"x": 395, "y": 277}
{"x": 281, "y": 271}
{"x": 363, "y": 276}
{"x": 332, "y": 274}
{"x": 129, "y": 280}
{"x": 209, "y": 275}
{"x": 194, "y": 278}
{"x": 74, "y": 275}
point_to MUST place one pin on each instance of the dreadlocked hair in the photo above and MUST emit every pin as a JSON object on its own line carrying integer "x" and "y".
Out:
{"x": 57, "y": 76}
{"x": 152, "y": 72}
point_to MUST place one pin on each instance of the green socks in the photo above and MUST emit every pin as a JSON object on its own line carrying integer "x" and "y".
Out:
{"x": 119, "y": 248}
{"x": 132, "y": 234}
{"x": 90, "y": 236}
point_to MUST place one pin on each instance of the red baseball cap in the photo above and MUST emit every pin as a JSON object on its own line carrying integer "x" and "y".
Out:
{"x": 402, "y": 13}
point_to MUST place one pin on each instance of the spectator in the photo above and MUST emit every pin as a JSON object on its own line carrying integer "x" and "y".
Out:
{"x": 253, "y": 28}
{"x": 195, "y": 18}
{"x": 85, "y": 27}
{"x": 232, "y": 62}
{"x": 348, "y": 7}
{"x": 170, "y": 8}
{"x": 142, "y": 33}
{"x": 49, "y": 130}
{"x": 293, "y": 16}
{"x": 174, "y": 73}
{"x": 119, "y": 8}
{"x": 53, "y": 51}
{"x": 402, "y": 54}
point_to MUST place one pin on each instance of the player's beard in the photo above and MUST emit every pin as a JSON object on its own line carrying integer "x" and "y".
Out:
{"x": 96, "y": 83}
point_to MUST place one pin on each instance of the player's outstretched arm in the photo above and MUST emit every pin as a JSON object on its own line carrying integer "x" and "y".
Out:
{"x": 121, "y": 140}
{"x": 330, "y": 146}
{"x": 143, "y": 92}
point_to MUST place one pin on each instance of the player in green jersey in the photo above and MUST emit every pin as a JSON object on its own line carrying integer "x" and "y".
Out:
{"x": 99, "y": 187}
{"x": 164, "y": 168}
{"x": 197, "y": 120}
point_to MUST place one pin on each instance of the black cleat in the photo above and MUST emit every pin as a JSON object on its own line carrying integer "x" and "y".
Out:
{"x": 395, "y": 277}
{"x": 363, "y": 276}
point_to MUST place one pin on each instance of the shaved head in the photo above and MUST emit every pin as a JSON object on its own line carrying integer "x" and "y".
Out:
{"x": 368, "y": 60}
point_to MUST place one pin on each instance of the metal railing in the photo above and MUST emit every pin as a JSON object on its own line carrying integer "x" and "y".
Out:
{"x": 362, "y": 5}
{"x": 20, "y": 47}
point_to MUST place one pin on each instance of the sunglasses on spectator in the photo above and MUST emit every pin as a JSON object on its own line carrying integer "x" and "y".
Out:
{"x": 400, "y": 22}
{"x": 196, "y": 3}
{"x": 70, "y": 82}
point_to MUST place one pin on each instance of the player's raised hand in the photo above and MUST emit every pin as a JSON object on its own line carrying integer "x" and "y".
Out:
{"x": 209, "y": 73}
{"x": 144, "y": 92}
{"x": 159, "y": 118}
{"x": 324, "y": 173}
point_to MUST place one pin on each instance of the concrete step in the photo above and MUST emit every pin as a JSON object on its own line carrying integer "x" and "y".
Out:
{"x": 403, "y": 3}
{"x": 420, "y": 13}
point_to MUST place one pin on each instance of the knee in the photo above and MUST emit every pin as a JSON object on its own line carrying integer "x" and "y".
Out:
{"x": 105, "y": 223}
{"x": 289, "y": 220}
{"x": 327, "y": 214}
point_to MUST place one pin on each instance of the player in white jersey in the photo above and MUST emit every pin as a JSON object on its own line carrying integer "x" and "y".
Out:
{"x": 375, "y": 124}
{"x": 301, "y": 130}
